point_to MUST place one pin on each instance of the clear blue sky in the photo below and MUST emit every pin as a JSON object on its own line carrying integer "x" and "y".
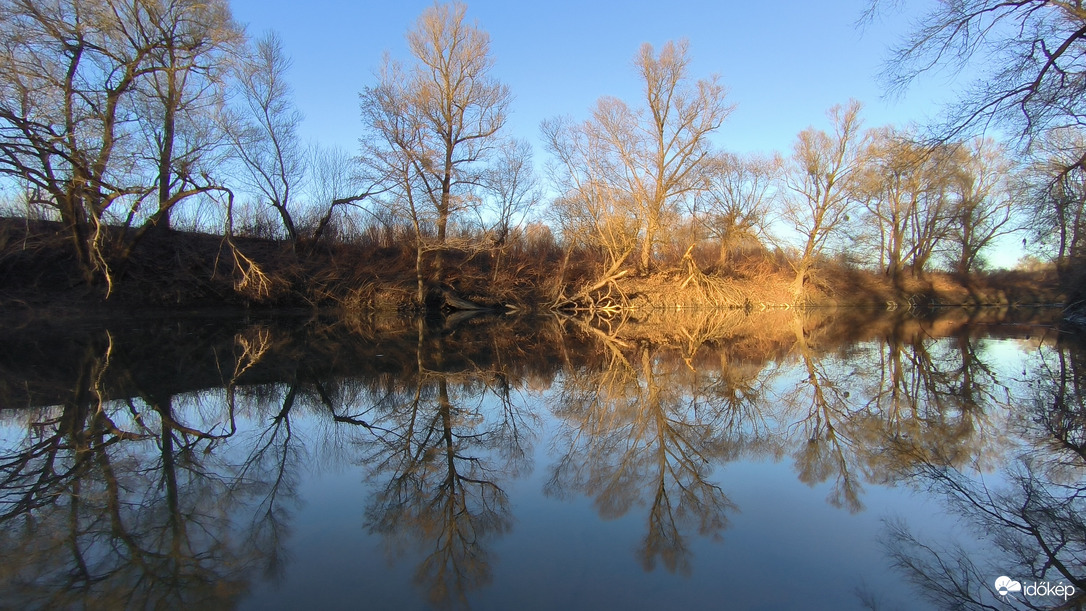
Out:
{"x": 784, "y": 62}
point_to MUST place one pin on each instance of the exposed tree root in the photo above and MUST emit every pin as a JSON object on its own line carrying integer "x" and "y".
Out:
{"x": 709, "y": 290}
{"x": 249, "y": 279}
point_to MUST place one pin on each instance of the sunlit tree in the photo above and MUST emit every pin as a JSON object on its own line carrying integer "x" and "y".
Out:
{"x": 646, "y": 158}
{"x": 590, "y": 211}
{"x": 983, "y": 181}
{"x": 1030, "y": 61}
{"x": 822, "y": 175}
{"x": 905, "y": 189}
{"x": 435, "y": 123}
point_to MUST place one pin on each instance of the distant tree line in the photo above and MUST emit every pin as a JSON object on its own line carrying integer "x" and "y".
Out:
{"x": 124, "y": 118}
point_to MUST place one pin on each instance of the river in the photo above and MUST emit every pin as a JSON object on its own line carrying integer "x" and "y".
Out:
{"x": 690, "y": 459}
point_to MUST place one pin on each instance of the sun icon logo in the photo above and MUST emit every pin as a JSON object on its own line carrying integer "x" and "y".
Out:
{"x": 1005, "y": 585}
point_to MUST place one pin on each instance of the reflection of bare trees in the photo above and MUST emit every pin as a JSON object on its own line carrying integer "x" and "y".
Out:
{"x": 938, "y": 395}
{"x": 451, "y": 437}
{"x": 1031, "y": 525}
{"x": 856, "y": 408}
{"x": 1034, "y": 531}
{"x": 140, "y": 523}
{"x": 133, "y": 476}
{"x": 645, "y": 422}
{"x": 1059, "y": 413}
{"x": 824, "y": 415}
{"x": 441, "y": 494}
{"x": 632, "y": 437}
{"x": 123, "y": 503}
{"x": 135, "y": 480}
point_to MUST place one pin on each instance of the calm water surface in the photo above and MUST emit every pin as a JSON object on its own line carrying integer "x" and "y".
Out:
{"x": 776, "y": 460}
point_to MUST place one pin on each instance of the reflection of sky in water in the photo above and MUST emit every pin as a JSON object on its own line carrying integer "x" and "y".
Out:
{"x": 785, "y": 548}
{"x": 569, "y": 526}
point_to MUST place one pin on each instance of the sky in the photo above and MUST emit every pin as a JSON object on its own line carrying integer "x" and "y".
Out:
{"x": 784, "y": 63}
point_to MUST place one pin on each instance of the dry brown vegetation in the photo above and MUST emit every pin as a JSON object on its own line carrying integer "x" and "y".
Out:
{"x": 186, "y": 270}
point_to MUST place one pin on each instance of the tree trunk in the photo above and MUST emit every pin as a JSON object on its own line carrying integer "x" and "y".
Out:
{"x": 646, "y": 246}
{"x": 420, "y": 295}
{"x": 288, "y": 223}
{"x": 165, "y": 158}
{"x": 725, "y": 252}
{"x": 439, "y": 252}
{"x": 74, "y": 219}
{"x": 797, "y": 284}
{"x": 965, "y": 262}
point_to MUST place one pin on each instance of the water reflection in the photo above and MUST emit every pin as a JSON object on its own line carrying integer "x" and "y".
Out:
{"x": 124, "y": 503}
{"x": 160, "y": 465}
{"x": 449, "y": 435}
{"x": 1030, "y": 523}
{"x": 632, "y": 437}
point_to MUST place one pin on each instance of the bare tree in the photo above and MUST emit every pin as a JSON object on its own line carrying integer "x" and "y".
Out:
{"x": 655, "y": 155}
{"x": 69, "y": 72}
{"x": 513, "y": 187}
{"x": 514, "y": 192}
{"x": 440, "y": 120}
{"x": 193, "y": 42}
{"x": 265, "y": 131}
{"x": 1055, "y": 190}
{"x": 734, "y": 206}
{"x": 822, "y": 175}
{"x": 890, "y": 186}
{"x": 591, "y": 211}
{"x": 392, "y": 136}
{"x": 337, "y": 181}
{"x": 985, "y": 200}
{"x": 905, "y": 187}
{"x": 86, "y": 84}
{"x": 674, "y": 135}
{"x": 932, "y": 218}
{"x": 1031, "y": 54}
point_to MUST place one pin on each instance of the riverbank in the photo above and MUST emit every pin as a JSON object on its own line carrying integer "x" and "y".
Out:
{"x": 187, "y": 270}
